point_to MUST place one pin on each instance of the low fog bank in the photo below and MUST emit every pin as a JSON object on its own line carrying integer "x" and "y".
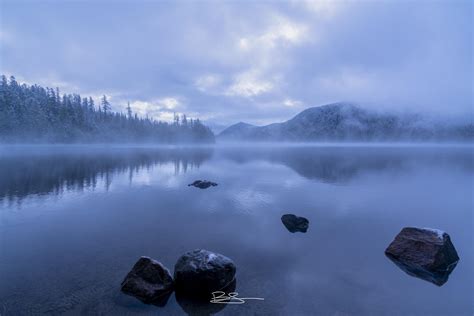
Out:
{"x": 348, "y": 122}
{"x": 342, "y": 144}
{"x": 39, "y": 170}
{"x": 46, "y": 148}
{"x": 53, "y": 169}
{"x": 33, "y": 114}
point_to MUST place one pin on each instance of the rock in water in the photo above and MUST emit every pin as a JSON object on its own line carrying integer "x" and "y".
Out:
{"x": 200, "y": 272}
{"x": 149, "y": 281}
{"x": 424, "y": 253}
{"x": 202, "y": 184}
{"x": 294, "y": 223}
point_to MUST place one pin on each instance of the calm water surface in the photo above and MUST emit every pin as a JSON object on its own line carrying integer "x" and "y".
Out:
{"x": 73, "y": 221}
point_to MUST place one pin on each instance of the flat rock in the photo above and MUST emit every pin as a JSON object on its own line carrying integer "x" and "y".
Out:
{"x": 295, "y": 223}
{"x": 424, "y": 253}
{"x": 200, "y": 272}
{"x": 202, "y": 184}
{"x": 149, "y": 281}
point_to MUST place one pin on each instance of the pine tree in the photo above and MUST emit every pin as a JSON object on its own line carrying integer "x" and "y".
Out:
{"x": 105, "y": 104}
{"x": 91, "y": 104}
{"x": 129, "y": 110}
{"x": 176, "y": 119}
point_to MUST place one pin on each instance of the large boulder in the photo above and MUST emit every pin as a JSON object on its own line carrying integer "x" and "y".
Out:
{"x": 424, "y": 253}
{"x": 295, "y": 223}
{"x": 200, "y": 272}
{"x": 202, "y": 184}
{"x": 149, "y": 281}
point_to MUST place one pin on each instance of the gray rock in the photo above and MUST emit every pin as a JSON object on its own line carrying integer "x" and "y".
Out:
{"x": 202, "y": 184}
{"x": 295, "y": 223}
{"x": 149, "y": 281}
{"x": 200, "y": 272}
{"x": 424, "y": 253}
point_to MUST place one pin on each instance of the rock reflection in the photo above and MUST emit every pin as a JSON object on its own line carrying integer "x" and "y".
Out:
{"x": 130, "y": 302}
{"x": 436, "y": 277}
{"x": 39, "y": 171}
{"x": 200, "y": 305}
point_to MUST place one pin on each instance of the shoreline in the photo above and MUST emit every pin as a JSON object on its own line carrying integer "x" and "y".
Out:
{"x": 244, "y": 145}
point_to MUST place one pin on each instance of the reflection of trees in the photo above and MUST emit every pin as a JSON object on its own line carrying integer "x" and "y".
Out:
{"x": 41, "y": 171}
{"x": 340, "y": 164}
{"x": 25, "y": 172}
{"x": 335, "y": 166}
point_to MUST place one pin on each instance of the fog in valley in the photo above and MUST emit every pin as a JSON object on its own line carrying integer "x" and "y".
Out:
{"x": 236, "y": 158}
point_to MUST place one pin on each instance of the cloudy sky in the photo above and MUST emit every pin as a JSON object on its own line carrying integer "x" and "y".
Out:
{"x": 257, "y": 62}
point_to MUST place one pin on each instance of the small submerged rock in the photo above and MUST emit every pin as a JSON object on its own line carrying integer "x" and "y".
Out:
{"x": 202, "y": 184}
{"x": 295, "y": 223}
{"x": 200, "y": 272}
{"x": 149, "y": 281}
{"x": 424, "y": 253}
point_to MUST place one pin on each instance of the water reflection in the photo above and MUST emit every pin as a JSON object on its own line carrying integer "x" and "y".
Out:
{"x": 436, "y": 277}
{"x": 81, "y": 245}
{"x": 43, "y": 170}
{"x": 341, "y": 164}
{"x": 201, "y": 305}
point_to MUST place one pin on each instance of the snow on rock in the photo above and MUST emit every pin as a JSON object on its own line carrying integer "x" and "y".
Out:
{"x": 438, "y": 232}
{"x": 424, "y": 253}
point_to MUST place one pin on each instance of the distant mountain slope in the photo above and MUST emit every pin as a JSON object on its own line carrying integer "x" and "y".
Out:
{"x": 349, "y": 122}
{"x": 240, "y": 129}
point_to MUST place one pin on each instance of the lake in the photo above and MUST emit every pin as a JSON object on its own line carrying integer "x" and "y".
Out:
{"x": 74, "y": 220}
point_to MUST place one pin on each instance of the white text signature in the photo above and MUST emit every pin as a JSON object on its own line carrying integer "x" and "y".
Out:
{"x": 220, "y": 297}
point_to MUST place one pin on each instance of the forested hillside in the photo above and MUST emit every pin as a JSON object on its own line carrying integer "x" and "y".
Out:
{"x": 349, "y": 122}
{"x": 31, "y": 114}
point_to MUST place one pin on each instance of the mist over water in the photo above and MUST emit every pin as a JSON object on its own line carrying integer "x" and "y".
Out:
{"x": 56, "y": 169}
{"x": 74, "y": 219}
{"x": 325, "y": 147}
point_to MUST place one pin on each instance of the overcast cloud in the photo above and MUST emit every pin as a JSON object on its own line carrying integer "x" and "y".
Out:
{"x": 243, "y": 61}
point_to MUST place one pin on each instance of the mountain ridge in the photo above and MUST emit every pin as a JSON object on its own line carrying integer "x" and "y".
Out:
{"x": 346, "y": 121}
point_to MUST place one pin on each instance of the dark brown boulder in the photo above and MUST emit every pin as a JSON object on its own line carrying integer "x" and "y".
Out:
{"x": 149, "y": 281}
{"x": 424, "y": 253}
{"x": 200, "y": 272}
{"x": 295, "y": 223}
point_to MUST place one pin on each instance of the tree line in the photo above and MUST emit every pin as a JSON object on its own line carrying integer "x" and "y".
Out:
{"x": 31, "y": 113}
